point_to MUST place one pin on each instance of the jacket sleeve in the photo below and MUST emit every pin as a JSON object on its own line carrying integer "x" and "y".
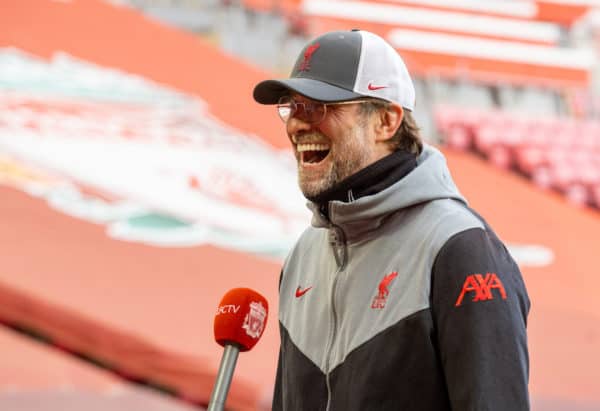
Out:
{"x": 277, "y": 404}
{"x": 480, "y": 307}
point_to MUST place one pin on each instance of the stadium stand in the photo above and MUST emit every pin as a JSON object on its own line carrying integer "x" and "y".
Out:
{"x": 554, "y": 152}
{"x": 146, "y": 311}
{"x": 34, "y": 377}
{"x": 531, "y": 64}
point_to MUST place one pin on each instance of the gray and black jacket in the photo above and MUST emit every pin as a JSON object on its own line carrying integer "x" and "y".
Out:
{"x": 402, "y": 300}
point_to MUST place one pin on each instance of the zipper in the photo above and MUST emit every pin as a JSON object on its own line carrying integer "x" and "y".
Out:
{"x": 331, "y": 339}
{"x": 338, "y": 242}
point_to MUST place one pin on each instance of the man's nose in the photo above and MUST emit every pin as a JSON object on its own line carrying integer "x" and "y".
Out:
{"x": 296, "y": 125}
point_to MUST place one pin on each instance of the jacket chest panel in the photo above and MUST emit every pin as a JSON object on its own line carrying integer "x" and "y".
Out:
{"x": 343, "y": 309}
{"x": 374, "y": 294}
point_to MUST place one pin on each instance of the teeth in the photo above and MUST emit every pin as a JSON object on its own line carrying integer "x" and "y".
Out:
{"x": 312, "y": 147}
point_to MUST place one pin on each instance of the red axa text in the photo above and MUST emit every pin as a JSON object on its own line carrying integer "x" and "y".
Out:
{"x": 481, "y": 287}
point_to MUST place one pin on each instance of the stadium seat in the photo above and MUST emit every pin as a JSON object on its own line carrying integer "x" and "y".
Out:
{"x": 595, "y": 195}
{"x": 501, "y": 156}
{"x": 458, "y": 137}
{"x": 529, "y": 158}
{"x": 542, "y": 176}
{"x": 577, "y": 194}
{"x": 555, "y": 152}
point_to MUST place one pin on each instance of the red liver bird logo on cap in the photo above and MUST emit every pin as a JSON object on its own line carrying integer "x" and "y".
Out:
{"x": 308, "y": 53}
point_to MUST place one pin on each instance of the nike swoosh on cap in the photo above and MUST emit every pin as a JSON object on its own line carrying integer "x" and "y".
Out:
{"x": 373, "y": 87}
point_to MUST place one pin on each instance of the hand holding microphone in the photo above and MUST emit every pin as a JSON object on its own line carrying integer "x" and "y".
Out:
{"x": 239, "y": 323}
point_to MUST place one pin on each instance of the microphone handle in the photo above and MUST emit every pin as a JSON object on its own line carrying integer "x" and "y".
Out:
{"x": 223, "y": 381}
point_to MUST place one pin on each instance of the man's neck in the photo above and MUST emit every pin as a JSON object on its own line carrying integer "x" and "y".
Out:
{"x": 370, "y": 180}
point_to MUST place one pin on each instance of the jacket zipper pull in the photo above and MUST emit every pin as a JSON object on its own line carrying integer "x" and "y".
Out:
{"x": 337, "y": 239}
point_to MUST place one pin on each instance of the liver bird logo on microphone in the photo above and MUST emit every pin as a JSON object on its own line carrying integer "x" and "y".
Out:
{"x": 383, "y": 291}
{"x": 254, "y": 323}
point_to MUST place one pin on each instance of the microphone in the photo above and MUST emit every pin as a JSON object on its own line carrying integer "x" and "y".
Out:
{"x": 239, "y": 323}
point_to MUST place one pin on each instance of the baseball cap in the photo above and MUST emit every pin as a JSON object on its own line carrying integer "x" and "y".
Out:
{"x": 342, "y": 66}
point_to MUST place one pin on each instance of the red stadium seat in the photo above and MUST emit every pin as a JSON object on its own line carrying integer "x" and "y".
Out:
{"x": 595, "y": 195}
{"x": 458, "y": 137}
{"x": 529, "y": 158}
{"x": 577, "y": 194}
{"x": 555, "y": 152}
{"x": 564, "y": 175}
{"x": 515, "y": 136}
{"x": 542, "y": 176}
{"x": 538, "y": 138}
{"x": 587, "y": 141}
{"x": 501, "y": 156}
{"x": 486, "y": 138}
{"x": 445, "y": 117}
{"x": 556, "y": 156}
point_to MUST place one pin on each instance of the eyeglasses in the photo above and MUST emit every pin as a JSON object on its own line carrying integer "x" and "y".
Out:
{"x": 312, "y": 112}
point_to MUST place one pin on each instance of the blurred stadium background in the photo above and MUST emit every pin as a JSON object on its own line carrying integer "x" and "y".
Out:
{"x": 139, "y": 181}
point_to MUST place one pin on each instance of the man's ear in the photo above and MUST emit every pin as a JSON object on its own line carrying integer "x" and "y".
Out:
{"x": 388, "y": 122}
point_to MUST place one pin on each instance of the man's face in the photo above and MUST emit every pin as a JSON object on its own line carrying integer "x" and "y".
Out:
{"x": 335, "y": 148}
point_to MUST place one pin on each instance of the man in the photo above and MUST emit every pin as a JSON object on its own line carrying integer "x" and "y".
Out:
{"x": 399, "y": 297}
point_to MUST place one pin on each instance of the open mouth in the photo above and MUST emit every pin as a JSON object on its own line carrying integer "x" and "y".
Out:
{"x": 312, "y": 153}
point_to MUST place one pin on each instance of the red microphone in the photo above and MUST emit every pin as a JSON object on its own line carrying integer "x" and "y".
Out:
{"x": 239, "y": 323}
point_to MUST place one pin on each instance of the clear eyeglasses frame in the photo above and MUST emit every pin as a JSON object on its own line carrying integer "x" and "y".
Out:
{"x": 312, "y": 112}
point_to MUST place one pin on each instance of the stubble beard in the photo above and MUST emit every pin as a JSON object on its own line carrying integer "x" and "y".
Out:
{"x": 347, "y": 156}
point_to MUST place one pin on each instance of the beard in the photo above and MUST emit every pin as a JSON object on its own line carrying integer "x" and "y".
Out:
{"x": 347, "y": 156}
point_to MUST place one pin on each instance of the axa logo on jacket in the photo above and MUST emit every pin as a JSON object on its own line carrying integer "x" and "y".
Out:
{"x": 481, "y": 287}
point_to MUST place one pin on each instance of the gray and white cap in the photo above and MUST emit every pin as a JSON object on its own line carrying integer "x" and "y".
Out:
{"x": 342, "y": 66}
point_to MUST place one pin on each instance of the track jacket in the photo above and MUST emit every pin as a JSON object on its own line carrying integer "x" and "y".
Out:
{"x": 402, "y": 300}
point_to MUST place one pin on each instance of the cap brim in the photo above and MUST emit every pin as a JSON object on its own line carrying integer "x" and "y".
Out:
{"x": 270, "y": 91}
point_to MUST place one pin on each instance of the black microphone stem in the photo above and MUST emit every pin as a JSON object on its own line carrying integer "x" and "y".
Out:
{"x": 223, "y": 381}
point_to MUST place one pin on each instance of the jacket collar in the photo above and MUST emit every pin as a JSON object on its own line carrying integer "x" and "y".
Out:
{"x": 428, "y": 180}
